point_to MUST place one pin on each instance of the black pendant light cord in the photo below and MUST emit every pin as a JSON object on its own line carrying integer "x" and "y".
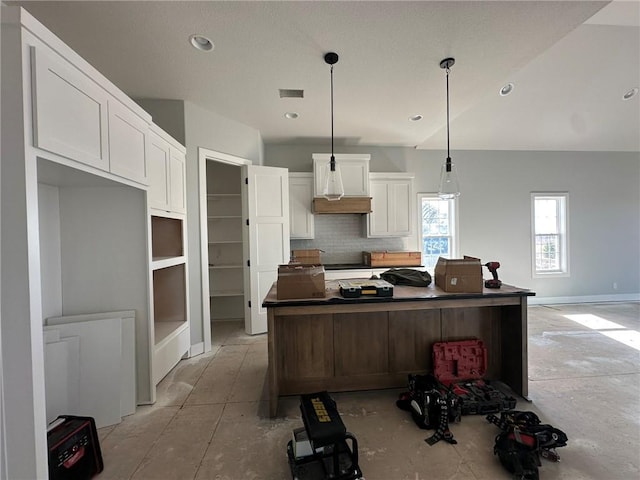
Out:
{"x": 333, "y": 159}
{"x": 448, "y": 155}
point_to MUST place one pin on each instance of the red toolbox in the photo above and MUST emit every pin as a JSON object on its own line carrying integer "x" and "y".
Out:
{"x": 462, "y": 366}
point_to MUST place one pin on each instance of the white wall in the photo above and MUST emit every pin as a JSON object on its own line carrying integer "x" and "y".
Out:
{"x": 495, "y": 208}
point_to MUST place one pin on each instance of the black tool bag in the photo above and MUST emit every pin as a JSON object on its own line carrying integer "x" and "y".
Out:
{"x": 407, "y": 276}
{"x": 432, "y": 406}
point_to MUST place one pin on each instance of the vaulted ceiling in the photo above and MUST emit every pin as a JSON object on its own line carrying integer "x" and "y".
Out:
{"x": 570, "y": 63}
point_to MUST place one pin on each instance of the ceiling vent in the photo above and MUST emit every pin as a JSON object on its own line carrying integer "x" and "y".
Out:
{"x": 289, "y": 93}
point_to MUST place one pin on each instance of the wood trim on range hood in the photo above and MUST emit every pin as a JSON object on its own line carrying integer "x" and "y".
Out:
{"x": 344, "y": 205}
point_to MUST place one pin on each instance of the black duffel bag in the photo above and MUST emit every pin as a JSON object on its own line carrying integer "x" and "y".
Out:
{"x": 407, "y": 276}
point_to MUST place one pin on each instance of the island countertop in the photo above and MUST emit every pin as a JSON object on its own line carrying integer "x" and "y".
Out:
{"x": 348, "y": 344}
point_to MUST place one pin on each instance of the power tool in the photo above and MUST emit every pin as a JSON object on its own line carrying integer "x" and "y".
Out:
{"x": 493, "y": 268}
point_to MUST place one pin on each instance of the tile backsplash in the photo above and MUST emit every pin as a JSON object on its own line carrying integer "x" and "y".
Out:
{"x": 343, "y": 238}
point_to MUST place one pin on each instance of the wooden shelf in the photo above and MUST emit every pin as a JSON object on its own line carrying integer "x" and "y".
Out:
{"x": 163, "y": 262}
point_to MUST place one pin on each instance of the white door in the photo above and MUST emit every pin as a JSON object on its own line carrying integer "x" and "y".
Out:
{"x": 266, "y": 208}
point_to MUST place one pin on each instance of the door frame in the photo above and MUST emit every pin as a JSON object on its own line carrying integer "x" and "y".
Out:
{"x": 204, "y": 155}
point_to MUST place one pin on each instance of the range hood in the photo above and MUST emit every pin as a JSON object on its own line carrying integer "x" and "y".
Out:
{"x": 344, "y": 205}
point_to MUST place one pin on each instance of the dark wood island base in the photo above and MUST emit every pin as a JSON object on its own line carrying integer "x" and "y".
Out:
{"x": 339, "y": 344}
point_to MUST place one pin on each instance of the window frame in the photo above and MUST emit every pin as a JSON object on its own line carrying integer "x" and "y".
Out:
{"x": 563, "y": 235}
{"x": 453, "y": 224}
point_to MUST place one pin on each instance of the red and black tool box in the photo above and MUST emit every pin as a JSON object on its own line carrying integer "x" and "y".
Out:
{"x": 462, "y": 366}
{"x": 74, "y": 448}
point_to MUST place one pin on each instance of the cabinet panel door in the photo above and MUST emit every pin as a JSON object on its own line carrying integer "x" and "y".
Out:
{"x": 70, "y": 111}
{"x": 301, "y": 220}
{"x": 400, "y": 208}
{"x": 158, "y": 162}
{"x": 412, "y": 334}
{"x": 379, "y": 216}
{"x": 361, "y": 343}
{"x": 177, "y": 200}
{"x": 128, "y": 143}
{"x": 307, "y": 350}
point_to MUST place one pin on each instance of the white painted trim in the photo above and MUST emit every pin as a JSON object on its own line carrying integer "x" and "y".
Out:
{"x": 205, "y": 154}
{"x": 623, "y": 297}
{"x": 197, "y": 349}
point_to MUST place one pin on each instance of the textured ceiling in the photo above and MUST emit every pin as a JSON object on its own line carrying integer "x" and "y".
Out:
{"x": 569, "y": 75}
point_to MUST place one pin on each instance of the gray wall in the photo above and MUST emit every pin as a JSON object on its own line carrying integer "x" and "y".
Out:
{"x": 495, "y": 208}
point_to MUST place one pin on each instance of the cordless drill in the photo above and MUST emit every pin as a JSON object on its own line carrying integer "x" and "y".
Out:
{"x": 493, "y": 268}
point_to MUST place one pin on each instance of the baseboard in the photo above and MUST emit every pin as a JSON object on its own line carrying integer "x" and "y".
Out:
{"x": 196, "y": 349}
{"x": 623, "y": 297}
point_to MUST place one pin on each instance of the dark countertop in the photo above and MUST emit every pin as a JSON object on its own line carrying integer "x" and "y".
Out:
{"x": 400, "y": 294}
{"x": 362, "y": 266}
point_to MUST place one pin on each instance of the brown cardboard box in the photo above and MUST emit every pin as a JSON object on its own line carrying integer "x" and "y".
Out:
{"x": 306, "y": 257}
{"x": 300, "y": 281}
{"x": 392, "y": 259}
{"x": 459, "y": 275}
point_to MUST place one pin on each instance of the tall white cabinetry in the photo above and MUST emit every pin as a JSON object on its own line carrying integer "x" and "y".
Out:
{"x": 301, "y": 219}
{"x": 354, "y": 169}
{"x": 79, "y": 234}
{"x": 225, "y": 242}
{"x": 169, "y": 288}
{"x": 391, "y": 205}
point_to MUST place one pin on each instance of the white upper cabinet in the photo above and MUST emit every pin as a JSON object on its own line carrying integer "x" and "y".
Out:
{"x": 354, "y": 169}
{"x": 301, "y": 219}
{"x": 70, "y": 111}
{"x": 166, "y": 162}
{"x": 128, "y": 143}
{"x": 391, "y": 205}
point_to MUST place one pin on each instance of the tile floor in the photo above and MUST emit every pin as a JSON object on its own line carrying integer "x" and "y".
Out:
{"x": 209, "y": 421}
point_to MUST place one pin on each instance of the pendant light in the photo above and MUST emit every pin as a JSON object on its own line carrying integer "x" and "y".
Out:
{"x": 333, "y": 187}
{"x": 449, "y": 187}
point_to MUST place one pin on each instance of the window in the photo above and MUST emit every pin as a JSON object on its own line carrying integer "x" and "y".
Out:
{"x": 438, "y": 237}
{"x": 549, "y": 242}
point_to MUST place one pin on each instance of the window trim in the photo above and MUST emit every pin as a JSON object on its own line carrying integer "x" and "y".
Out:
{"x": 455, "y": 231}
{"x": 563, "y": 235}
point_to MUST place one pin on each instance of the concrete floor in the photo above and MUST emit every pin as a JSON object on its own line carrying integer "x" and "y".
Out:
{"x": 210, "y": 422}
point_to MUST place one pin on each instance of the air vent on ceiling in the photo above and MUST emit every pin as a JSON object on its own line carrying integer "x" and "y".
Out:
{"x": 289, "y": 93}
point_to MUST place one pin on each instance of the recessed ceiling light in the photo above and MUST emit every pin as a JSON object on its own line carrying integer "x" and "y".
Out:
{"x": 291, "y": 115}
{"x": 201, "y": 43}
{"x": 415, "y": 118}
{"x": 630, "y": 94}
{"x": 506, "y": 90}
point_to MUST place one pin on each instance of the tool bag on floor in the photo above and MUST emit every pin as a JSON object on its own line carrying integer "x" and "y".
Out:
{"x": 432, "y": 406}
{"x": 523, "y": 441}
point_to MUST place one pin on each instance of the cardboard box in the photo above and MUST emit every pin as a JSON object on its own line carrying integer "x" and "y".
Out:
{"x": 459, "y": 275}
{"x": 306, "y": 257}
{"x": 300, "y": 281}
{"x": 392, "y": 259}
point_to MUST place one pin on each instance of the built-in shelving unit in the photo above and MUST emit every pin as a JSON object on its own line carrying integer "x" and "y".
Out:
{"x": 169, "y": 277}
{"x": 225, "y": 247}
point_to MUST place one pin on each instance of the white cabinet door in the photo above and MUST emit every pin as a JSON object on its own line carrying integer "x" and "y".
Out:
{"x": 391, "y": 205}
{"x": 266, "y": 206}
{"x": 354, "y": 169}
{"x": 301, "y": 219}
{"x": 70, "y": 111}
{"x": 128, "y": 143}
{"x": 158, "y": 162}
{"x": 177, "y": 194}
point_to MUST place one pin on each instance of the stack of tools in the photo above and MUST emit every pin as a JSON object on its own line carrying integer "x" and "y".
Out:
{"x": 461, "y": 366}
{"x": 320, "y": 451}
{"x": 523, "y": 441}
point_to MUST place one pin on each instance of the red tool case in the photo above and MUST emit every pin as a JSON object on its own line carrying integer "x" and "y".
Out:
{"x": 462, "y": 366}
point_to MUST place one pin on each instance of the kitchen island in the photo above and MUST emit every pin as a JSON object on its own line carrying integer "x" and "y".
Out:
{"x": 366, "y": 343}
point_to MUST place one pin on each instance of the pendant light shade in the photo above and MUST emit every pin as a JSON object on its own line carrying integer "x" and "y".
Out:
{"x": 449, "y": 187}
{"x": 333, "y": 186}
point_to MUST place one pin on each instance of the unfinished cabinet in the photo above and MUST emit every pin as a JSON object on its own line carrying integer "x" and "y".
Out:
{"x": 301, "y": 219}
{"x": 225, "y": 242}
{"x": 166, "y": 172}
{"x": 391, "y": 205}
{"x": 170, "y": 294}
